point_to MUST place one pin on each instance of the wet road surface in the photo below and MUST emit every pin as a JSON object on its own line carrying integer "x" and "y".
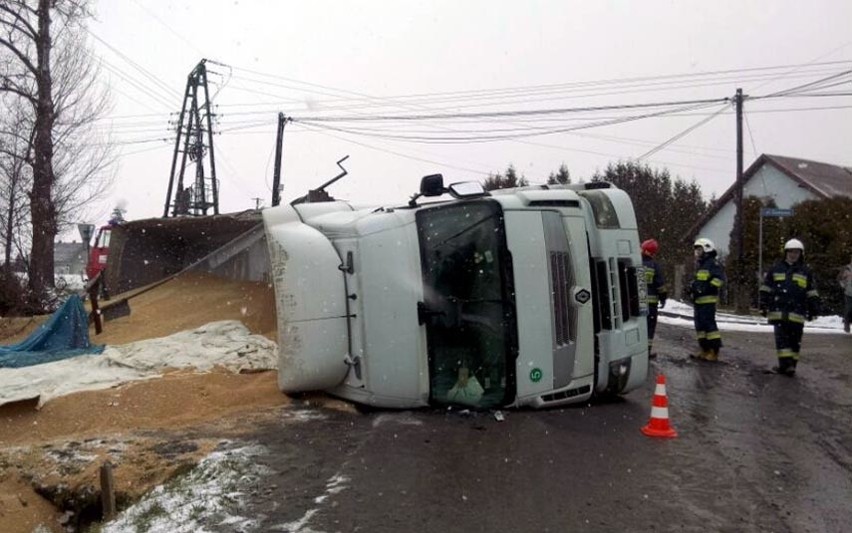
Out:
{"x": 755, "y": 452}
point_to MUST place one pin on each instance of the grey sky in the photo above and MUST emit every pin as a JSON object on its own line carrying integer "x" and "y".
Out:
{"x": 387, "y": 49}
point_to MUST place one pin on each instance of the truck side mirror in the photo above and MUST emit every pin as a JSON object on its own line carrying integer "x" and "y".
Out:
{"x": 432, "y": 185}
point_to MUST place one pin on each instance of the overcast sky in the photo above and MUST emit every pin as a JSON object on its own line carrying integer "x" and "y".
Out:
{"x": 321, "y": 59}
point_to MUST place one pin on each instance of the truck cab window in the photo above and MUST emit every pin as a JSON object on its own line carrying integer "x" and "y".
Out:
{"x": 469, "y": 309}
{"x": 606, "y": 217}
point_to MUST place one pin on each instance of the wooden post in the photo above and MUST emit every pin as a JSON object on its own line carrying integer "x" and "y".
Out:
{"x": 95, "y": 316}
{"x": 107, "y": 492}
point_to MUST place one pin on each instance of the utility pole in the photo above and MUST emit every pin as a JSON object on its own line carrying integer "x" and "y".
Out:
{"x": 739, "y": 221}
{"x": 195, "y": 124}
{"x": 276, "y": 179}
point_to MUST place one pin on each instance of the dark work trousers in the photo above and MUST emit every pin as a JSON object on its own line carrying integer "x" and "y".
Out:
{"x": 709, "y": 337}
{"x": 847, "y": 314}
{"x": 788, "y": 342}
{"x": 652, "y": 323}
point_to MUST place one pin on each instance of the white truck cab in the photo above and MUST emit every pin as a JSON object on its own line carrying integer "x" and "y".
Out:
{"x": 520, "y": 297}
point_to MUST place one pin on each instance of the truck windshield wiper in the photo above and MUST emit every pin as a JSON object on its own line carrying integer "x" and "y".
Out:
{"x": 464, "y": 230}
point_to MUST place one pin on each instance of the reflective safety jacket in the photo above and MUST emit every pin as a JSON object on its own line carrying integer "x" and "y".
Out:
{"x": 709, "y": 278}
{"x": 789, "y": 293}
{"x": 655, "y": 281}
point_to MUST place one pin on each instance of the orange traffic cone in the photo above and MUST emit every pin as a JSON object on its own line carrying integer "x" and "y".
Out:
{"x": 659, "y": 424}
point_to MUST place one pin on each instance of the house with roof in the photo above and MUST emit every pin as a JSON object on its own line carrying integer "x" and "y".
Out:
{"x": 69, "y": 257}
{"x": 786, "y": 180}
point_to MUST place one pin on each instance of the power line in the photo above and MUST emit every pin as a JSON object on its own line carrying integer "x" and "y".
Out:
{"x": 520, "y": 113}
{"x": 682, "y": 134}
{"x": 135, "y": 65}
{"x": 176, "y": 34}
{"x": 489, "y": 138}
{"x": 816, "y": 84}
{"x": 392, "y": 152}
{"x": 750, "y": 135}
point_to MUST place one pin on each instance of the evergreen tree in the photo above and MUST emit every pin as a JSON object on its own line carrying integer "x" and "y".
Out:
{"x": 508, "y": 180}
{"x": 665, "y": 208}
{"x": 824, "y": 226}
{"x": 560, "y": 177}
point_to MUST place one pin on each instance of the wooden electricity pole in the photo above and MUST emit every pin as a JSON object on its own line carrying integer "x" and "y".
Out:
{"x": 740, "y": 297}
{"x": 276, "y": 179}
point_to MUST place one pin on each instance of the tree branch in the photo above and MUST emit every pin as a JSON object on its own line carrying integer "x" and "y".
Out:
{"x": 20, "y": 55}
{"x": 30, "y": 31}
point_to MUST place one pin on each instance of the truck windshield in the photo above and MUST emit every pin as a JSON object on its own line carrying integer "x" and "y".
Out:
{"x": 468, "y": 306}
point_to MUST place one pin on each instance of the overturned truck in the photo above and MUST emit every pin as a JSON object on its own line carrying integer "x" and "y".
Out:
{"x": 521, "y": 297}
{"x": 148, "y": 251}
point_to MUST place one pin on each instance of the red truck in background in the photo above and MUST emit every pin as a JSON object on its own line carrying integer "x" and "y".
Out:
{"x": 99, "y": 252}
{"x": 100, "y": 249}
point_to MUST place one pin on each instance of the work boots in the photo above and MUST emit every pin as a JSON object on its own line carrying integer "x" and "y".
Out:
{"x": 711, "y": 355}
{"x": 785, "y": 367}
{"x": 700, "y": 355}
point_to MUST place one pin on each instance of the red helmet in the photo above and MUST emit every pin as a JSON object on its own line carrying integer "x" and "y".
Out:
{"x": 650, "y": 247}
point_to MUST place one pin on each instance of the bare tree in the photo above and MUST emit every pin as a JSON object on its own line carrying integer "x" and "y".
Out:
{"x": 52, "y": 76}
{"x": 83, "y": 159}
{"x": 15, "y": 179}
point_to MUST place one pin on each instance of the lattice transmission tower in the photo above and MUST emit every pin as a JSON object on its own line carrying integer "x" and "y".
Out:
{"x": 194, "y": 142}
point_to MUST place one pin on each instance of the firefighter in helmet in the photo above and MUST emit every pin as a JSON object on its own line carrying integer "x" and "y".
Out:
{"x": 655, "y": 282}
{"x": 788, "y": 297}
{"x": 709, "y": 279}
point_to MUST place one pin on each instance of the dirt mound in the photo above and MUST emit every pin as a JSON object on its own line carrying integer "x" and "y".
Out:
{"x": 150, "y": 430}
{"x": 189, "y": 301}
{"x": 185, "y": 302}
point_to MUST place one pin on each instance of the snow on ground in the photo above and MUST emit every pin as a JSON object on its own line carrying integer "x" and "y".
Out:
{"x": 71, "y": 282}
{"x": 226, "y": 343}
{"x": 680, "y": 314}
{"x": 213, "y": 493}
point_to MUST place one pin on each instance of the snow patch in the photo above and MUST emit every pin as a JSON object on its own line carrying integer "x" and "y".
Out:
{"x": 335, "y": 485}
{"x": 680, "y": 314}
{"x": 211, "y": 494}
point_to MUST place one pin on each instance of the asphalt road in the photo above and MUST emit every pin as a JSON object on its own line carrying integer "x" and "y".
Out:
{"x": 755, "y": 452}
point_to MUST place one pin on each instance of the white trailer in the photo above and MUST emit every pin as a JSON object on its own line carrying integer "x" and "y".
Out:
{"x": 522, "y": 297}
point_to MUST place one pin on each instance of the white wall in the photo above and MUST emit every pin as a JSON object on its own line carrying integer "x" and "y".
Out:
{"x": 768, "y": 181}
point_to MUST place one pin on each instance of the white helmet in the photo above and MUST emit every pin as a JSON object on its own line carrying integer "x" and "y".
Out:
{"x": 705, "y": 244}
{"x": 794, "y": 244}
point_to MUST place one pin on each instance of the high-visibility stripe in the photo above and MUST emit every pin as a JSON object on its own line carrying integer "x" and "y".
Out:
{"x": 660, "y": 412}
{"x": 795, "y": 356}
{"x": 785, "y": 353}
{"x": 775, "y": 315}
{"x": 800, "y": 280}
{"x": 702, "y": 275}
{"x": 714, "y": 335}
{"x": 649, "y": 275}
{"x": 653, "y": 300}
{"x": 779, "y": 277}
{"x": 765, "y": 288}
{"x": 716, "y": 282}
{"x": 706, "y": 299}
{"x": 796, "y": 317}
{"x": 700, "y": 335}
{"x": 813, "y": 293}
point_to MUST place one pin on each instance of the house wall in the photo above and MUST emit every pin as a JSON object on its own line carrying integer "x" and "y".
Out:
{"x": 69, "y": 258}
{"x": 768, "y": 182}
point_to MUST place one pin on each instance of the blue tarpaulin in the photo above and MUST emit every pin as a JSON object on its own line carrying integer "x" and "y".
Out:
{"x": 65, "y": 335}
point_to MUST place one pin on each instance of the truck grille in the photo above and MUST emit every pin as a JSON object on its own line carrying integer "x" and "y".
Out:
{"x": 629, "y": 287}
{"x": 570, "y": 393}
{"x": 564, "y": 316}
{"x": 618, "y": 295}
